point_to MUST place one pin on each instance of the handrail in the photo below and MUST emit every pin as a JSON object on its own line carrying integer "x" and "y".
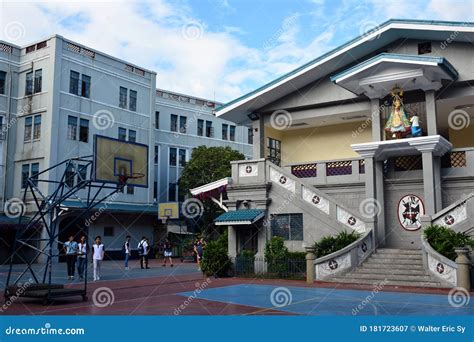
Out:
{"x": 450, "y": 207}
{"x": 344, "y": 250}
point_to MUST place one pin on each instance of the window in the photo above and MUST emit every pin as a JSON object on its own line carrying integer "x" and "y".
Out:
{"x": 224, "y": 131}
{"x": 37, "y": 127}
{"x": 174, "y": 123}
{"x": 157, "y": 151}
{"x": 82, "y": 174}
{"x": 38, "y": 80}
{"x": 288, "y": 226}
{"x": 86, "y": 86}
{"x": 28, "y": 126}
{"x": 133, "y": 100}
{"x": 200, "y": 130}
{"x": 132, "y": 135}
{"x": 74, "y": 82}
{"x": 69, "y": 177}
{"x": 182, "y": 158}
{"x": 25, "y": 173}
{"x": 232, "y": 133}
{"x": 182, "y": 124}
{"x": 172, "y": 156}
{"x": 2, "y": 133}
{"x": 34, "y": 173}
{"x": 172, "y": 192}
{"x": 84, "y": 130}
{"x": 250, "y": 136}
{"x": 123, "y": 97}
{"x": 3, "y": 78}
{"x": 108, "y": 231}
{"x": 29, "y": 83}
{"x": 209, "y": 130}
{"x": 155, "y": 191}
{"x": 122, "y": 134}
{"x": 424, "y": 48}
{"x": 71, "y": 127}
{"x": 157, "y": 120}
{"x": 274, "y": 151}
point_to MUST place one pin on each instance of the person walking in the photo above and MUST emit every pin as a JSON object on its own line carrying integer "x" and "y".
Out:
{"x": 98, "y": 251}
{"x": 70, "y": 249}
{"x": 199, "y": 250}
{"x": 127, "y": 251}
{"x": 143, "y": 250}
{"x": 168, "y": 252}
{"x": 83, "y": 249}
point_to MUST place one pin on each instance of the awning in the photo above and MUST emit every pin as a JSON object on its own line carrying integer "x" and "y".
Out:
{"x": 239, "y": 217}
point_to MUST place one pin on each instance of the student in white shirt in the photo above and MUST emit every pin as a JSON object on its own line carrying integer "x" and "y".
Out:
{"x": 127, "y": 250}
{"x": 82, "y": 248}
{"x": 98, "y": 252}
{"x": 143, "y": 250}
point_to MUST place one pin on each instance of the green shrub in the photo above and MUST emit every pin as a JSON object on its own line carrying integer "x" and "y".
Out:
{"x": 445, "y": 240}
{"x": 215, "y": 261}
{"x": 276, "y": 255}
{"x": 330, "y": 244}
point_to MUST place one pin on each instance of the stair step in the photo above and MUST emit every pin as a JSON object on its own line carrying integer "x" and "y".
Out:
{"x": 398, "y": 256}
{"x": 383, "y": 266}
{"x": 388, "y": 276}
{"x": 389, "y": 262}
{"x": 388, "y": 282}
{"x": 376, "y": 270}
{"x": 398, "y": 251}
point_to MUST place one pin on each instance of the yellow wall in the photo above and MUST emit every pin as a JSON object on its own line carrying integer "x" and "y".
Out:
{"x": 463, "y": 137}
{"x": 320, "y": 143}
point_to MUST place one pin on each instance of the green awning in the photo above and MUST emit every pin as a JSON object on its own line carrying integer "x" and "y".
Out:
{"x": 239, "y": 217}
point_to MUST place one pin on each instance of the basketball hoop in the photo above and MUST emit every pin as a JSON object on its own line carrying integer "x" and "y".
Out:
{"x": 124, "y": 178}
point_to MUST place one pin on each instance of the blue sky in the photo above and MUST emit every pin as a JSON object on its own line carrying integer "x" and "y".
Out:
{"x": 218, "y": 49}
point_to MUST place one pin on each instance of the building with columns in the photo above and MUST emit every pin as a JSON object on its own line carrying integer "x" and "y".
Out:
{"x": 377, "y": 137}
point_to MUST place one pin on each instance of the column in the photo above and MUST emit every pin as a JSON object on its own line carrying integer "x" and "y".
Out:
{"x": 375, "y": 112}
{"x": 232, "y": 241}
{"x": 258, "y": 130}
{"x": 371, "y": 193}
{"x": 430, "y": 102}
{"x": 380, "y": 204}
{"x": 429, "y": 182}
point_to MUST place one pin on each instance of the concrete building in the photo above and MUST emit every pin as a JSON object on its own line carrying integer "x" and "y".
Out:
{"x": 327, "y": 157}
{"x": 56, "y": 94}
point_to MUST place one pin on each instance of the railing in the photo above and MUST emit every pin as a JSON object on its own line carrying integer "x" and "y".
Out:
{"x": 438, "y": 265}
{"x": 283, "y": 268}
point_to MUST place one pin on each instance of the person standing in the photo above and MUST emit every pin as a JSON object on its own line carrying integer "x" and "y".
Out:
{"x": 143, "y": 250}
{"x": 98, "y": 251}
{"x": 82, "y": 248}
{"x": 127, "y": 251}
{"x": 199, "y": 250}
{"x": 70, "y": 248}
{"x": 168, "y": 252}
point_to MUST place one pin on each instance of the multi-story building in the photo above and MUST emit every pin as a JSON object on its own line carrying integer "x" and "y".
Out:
{"x": 55, "y": 95}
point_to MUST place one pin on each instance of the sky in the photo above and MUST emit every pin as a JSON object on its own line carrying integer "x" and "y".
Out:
{"x": 216, "y": 49}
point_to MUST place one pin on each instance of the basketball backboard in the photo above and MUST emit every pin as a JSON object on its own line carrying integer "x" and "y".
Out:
{"x": 168, "y": 210}
{"x": 114, "y": 158}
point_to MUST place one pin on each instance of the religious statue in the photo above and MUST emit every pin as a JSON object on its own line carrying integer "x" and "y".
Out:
{"x": 415, "y": 126}
{"x": 397, "y": 124}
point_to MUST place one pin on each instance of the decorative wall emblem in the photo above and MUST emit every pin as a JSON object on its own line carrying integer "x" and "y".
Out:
{"x": 248, "y": 170}
{"x": 349, "y": 220}
{"x": 440, "y": 268}
{"x": 449, "y": 220}
{"x": 332, "y": 264}
{"x": 282, "y": 180}
{"x": 454, "y": 216}
{"x": 410, "y": 210}
{"x": 315, "y": 200}
{"x": 363, "y": 247}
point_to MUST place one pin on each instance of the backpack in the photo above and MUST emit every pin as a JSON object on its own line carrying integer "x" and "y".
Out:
{"x": 141, "y": 249}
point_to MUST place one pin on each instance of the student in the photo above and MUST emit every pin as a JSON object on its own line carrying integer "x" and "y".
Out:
{"x": 127, "y": 250}
{"x": 70, "y": 248}
{"x": 82, "y": 248}
{"x": 168, "y": 247}
{"x": 199, "y": 250}
{"x": 143, "y": 250}
{"x": 98, "y": 251}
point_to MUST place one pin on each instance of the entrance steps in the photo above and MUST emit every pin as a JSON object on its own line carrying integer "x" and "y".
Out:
{"x": 388, "y": 266}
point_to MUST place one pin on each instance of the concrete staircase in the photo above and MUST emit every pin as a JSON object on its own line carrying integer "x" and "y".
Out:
{"x": 396, "y": 267}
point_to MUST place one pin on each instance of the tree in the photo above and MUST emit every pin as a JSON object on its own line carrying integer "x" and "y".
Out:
{"x": 207, "y": 164}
